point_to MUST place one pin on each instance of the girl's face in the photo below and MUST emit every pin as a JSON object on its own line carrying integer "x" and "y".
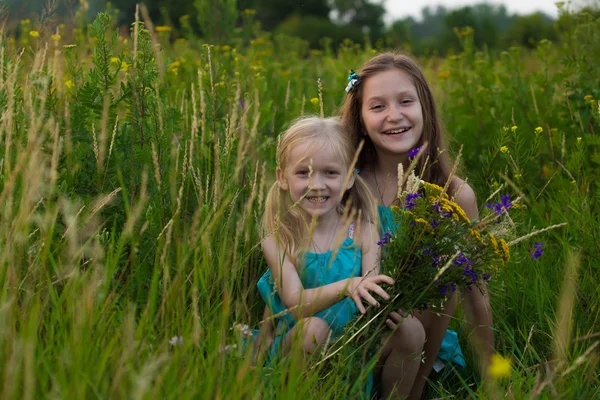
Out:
{"x": 391, "y": 112}
{"x": 315, "y": 179}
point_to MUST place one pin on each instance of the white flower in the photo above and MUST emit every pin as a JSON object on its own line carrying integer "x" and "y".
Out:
{"x": 227, "y": 348}
{"x": 176, "y": 341}
{"x": 244, "y": 330}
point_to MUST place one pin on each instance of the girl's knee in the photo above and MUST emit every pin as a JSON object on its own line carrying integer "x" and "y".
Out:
{"x": 315, "y": 332}
{"x": 410, "y": 336}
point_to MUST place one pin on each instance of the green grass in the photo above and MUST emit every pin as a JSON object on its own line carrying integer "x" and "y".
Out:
{"x": 132, "y": 186}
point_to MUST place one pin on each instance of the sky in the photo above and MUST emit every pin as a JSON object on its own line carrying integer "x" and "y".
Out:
{"x": 402, "y": 8}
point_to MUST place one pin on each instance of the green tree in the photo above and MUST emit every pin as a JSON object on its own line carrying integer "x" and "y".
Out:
{"x": 362, "y": 14}
{"x": 216, "y": 18}
{"x": 271, "y": 13}
{"x": 528, "y": 30}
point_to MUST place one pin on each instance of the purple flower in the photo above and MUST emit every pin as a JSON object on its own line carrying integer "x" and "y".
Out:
{"x": 411, "y": 200}
{"x": 500, "y": 207}
{"x": 434, "y": 224}
{"x": 470, "y": 273}
{"x": 539, "y": 250}
{"x": 505, "y": 201}
{"x": 413, "y": 153}
{"x": 445, "y": 288}
{"x": 385, "y": 239}
{"x": 461, "y": 259}
{"x": 486, "y": 277}
{"x": 438, "y": 209}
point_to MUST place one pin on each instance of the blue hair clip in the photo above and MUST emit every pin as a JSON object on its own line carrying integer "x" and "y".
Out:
{"x": 352, "y": 81}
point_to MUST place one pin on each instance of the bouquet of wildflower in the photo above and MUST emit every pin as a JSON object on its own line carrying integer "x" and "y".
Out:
{"x": 434, "y": 250}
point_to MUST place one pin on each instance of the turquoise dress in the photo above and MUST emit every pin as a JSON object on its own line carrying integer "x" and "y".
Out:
{"x": 318, "y": 270}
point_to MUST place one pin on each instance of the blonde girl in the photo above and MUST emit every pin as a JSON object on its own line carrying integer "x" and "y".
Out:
{"x": 321, "y": 243}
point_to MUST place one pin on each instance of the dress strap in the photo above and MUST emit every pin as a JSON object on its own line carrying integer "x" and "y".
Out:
{"x": 351, "y": 230}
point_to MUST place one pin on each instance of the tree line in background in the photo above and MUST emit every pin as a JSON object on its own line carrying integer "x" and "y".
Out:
{"x": 216, "y": 21}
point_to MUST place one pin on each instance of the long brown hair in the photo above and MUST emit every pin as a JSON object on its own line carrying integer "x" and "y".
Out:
{"x": 439, "y": 166}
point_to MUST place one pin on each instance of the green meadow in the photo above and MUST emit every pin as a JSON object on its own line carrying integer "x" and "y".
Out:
{"x": 133, "y": 172}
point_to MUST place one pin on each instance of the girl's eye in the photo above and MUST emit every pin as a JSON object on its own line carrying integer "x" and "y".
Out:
{"x": 302, "y": 172}
{"x": 332, "y": 172}
{"x": 408, "y": 101}
{"x": 377, "y": 107}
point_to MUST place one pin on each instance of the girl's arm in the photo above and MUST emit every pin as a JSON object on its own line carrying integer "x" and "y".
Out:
{"x": 302, "y": 302}
{"x": 476, "y": 303}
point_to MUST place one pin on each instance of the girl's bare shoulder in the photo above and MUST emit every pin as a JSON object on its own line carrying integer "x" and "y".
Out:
{"x": 465, "y": 196}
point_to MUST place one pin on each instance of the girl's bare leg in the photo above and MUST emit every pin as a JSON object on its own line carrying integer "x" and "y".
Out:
{"x": 435, "y": 325}
{"x": 400, "y": 359}
{"x": 314, "y": 332}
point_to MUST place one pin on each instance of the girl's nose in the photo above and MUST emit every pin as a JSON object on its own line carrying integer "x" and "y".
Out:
{"x": 395, "y": 113}
{"x": 316, "y": 182}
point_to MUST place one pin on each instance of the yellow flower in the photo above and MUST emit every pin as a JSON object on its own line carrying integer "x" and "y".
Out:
{"x": 500, "y": 367}
{"x": 421, "y": 221}
{"x": 226, "y": 48}
{"x": 588, "y": 97}
{"x": 466, "y": 31}
{"x": 432, "y": 189}
{"x": 69, "y": 84}
{"x": 504, "y": 149}
{"x": 124, "y": 66}
{"x": 492, "y": 241}
{"x": 443, "y": 74}
{"x": 163, "y": 28}
{"x": 514, "y": 128}
{"x": 25, "y": 22}
{"x": 578, "y": 139}
{"x": 34, "y": 33}
{"x": 175, "y": 64}
{"x": 249, "y": 12}
{"x": 505, "y": 250}
{"x": 459, "y": 210}
{"x": 114, "y": 60}
{"x": 56, "y": 37}
{"x": 395, "y": 209}
{"x": 314, "y": 101}
{"x": 476, "y": 235}
{"x": 539, "y": 129}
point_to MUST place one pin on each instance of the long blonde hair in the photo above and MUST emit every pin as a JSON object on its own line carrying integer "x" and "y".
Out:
{"x": 288, "y": 221}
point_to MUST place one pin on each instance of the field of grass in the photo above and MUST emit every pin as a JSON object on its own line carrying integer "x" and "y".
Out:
{"x": 133, "y": 173}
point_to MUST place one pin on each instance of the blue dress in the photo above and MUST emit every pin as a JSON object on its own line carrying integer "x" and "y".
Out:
{"x": 318, "y": 270}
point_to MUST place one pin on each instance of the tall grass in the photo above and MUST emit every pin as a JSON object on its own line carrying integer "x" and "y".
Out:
{"x": 133, "y": 173}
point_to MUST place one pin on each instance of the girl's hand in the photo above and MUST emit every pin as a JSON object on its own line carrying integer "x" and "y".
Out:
{"x": 395, "y": 319}
{"x": 361, "y": 287}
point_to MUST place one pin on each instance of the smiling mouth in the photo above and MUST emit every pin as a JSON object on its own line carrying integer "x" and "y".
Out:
{"x": 317, "y": 199}
{"x": 396, "y": 131}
